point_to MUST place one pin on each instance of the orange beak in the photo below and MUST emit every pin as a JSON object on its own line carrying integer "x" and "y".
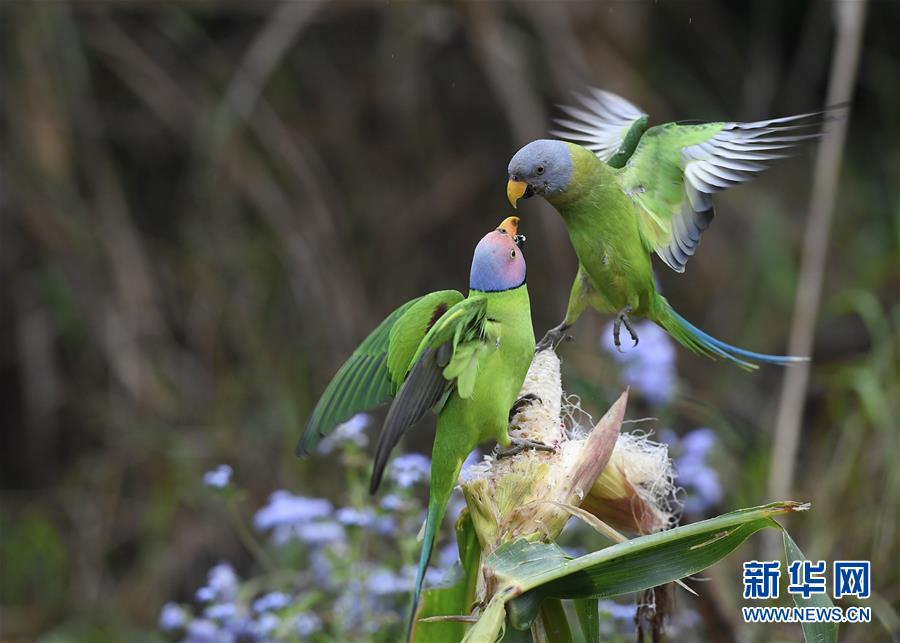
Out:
{"x": 510, "y": 226}
{"x": 515, "y": 190}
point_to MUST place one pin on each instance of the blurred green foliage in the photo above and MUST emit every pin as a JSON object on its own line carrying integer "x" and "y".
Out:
{"x": 204, "y": 206}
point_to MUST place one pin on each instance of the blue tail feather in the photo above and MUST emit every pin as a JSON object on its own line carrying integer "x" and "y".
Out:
{"x": 729, "y": 352}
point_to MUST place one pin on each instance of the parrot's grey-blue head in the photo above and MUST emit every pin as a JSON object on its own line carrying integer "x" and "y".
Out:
{"x": 498, "y": 263}
{"x": 542, "y": 167}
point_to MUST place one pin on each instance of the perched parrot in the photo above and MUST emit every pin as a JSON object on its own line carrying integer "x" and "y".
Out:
{"x": 464, "y": 357}
{"x": 629, "y": 193}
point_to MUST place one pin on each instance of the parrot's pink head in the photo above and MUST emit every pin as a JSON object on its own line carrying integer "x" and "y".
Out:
{"x": 498, "y": 263}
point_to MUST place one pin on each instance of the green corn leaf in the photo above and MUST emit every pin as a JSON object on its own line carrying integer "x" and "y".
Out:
{"x": 553, "y": 626}
{"x": 812, "y": 632}
{"x": 536, "y": 571}
{"x": 588, "y": 612}
{"x": 453, "y": 598}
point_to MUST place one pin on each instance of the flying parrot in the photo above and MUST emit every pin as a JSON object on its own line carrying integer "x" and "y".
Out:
{"x": 631, "y": 191}
{"x": 464, "y": 357}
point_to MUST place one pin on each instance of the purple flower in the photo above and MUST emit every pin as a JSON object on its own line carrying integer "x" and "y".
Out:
{"x": 218, "y": 477}
{"x": 221, "y": 585}
{"x": 384, "y": 525}
{"x": 286, "y": 509}
{"x": 220, "y": 611}
{"x": 701, "y": 481}
{"x": 353, "y": 517}
{"x": 384, "y": 581}
{"x": 266, "y": 624}
{"x": 271, "y": 601}
{"x": 392, "y": 502}
{"x": 353, "y": 430}
{"x": 172, "y": 617}
{"x": 205, "y": 595}
{"x": 307, "y": 623}
{"x": 202, "y": 631}
{"x": 617, "y": 610}
{"x": 448, "y": 555}
{"x": 408, "y": 469}
{"x": 649, "y": 366}
{"x": 321, "y": 567}
{"x": 320, "y": 533}
{"x": 698, "y": 443}
{"x": 350, "y": 606}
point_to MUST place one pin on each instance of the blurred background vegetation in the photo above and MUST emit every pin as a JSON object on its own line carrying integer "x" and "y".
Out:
{"x": 204, "y": 206}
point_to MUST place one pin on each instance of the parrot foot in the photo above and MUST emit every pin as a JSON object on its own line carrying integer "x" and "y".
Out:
{"x": 622, "y": 318}
{"x": 553, "y": 338}
{"x": 526, "y": 400}
{"x": 521, "y": 444}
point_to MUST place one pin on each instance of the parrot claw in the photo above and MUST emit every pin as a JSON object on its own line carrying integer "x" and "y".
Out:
{"x": 521, "y": 444}
{"x": 622, "y": 318}
{"x": 553, "y": 338}
{"x": 526, "y": 400}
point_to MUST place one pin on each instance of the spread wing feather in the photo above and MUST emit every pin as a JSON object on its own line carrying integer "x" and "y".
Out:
{"x": 605, "y": 123}
{"x": 375, "y": 370}
{"x": 676, "y": 168}
{"x": 447, "y": 357}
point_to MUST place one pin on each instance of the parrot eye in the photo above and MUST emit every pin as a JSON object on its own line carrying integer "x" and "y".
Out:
{"x": 512, "y": 254}
{"x": 540, "y": 169}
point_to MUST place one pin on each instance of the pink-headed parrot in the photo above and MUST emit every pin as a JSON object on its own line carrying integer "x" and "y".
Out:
{"x": 627, "y": 192}
{"x": 464, "y": 357}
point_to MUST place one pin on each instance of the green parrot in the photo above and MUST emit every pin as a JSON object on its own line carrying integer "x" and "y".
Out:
{"x": 630, "y": 192}
{"x": 464, "y": 357}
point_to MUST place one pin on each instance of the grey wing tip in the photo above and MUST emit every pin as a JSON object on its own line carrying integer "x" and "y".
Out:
{"x": 375, "y": 482}
{"x": 306, "y": 444}
{"x": 301, "y": 451}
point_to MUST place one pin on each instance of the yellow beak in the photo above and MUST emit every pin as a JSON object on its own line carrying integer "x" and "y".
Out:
{"x": 515, "y": 190}
{"x": 510, "y": 226}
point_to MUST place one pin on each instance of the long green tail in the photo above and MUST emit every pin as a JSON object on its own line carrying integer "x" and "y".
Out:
{"x": 445, "y": 469}
{"x": 701, "y": 343}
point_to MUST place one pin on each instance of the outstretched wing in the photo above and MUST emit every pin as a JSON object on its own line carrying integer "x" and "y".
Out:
{"x": 676, "y": 168}
{"x": 375, "y": 370}
{"x": 448, "y": 357}
{"x": 606, "y": 124}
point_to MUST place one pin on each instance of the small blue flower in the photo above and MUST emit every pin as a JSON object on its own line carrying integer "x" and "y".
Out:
{"x": 383, "y": 582}
{"x": 353, "y": 430}
{"x": 408, "y": 469}
{"x": 698, "y": 443}
{"x": 220, "y": 611}
{"x": 392, "y": 502}
{"x": 285, "y": 508}
{"x": 448, "y": 555}
{"x": 172, "y": 617}
{"x": 384, "y": 526}
{"x": 321, "y": 567}
{"x": 266, "y": 624}
{"x": 701, "y": 481}
{"x": 240, "y": 628}
{"x": 350, "y": 606}
{"x": 221, "y": 585}
{"x": 271, "y": 601}
{"x": 353, "y": 517}
{"x": 307, "y": 623}
{"x": 617, "y": 610}
{"x": 202, "y": 631}
{"x": 218, "y": 478}
{"x": 320, "y": 533}
{"x": 649, "y": 366}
